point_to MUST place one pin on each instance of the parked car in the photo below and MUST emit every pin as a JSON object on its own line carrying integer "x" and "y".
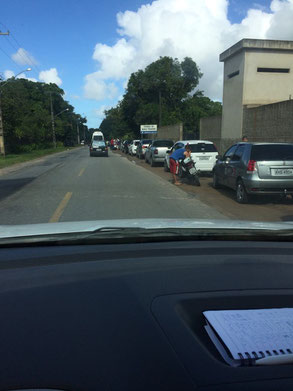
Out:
{"x": 124, "y": 146}
{"x": 141, "y": 148}
{"x": 132, "y": 147}
{"x": 256, "y": 169}
{"x": 98, "y": 148}
{"x": 156, "y": 151}
{"x": 204, "y": 153}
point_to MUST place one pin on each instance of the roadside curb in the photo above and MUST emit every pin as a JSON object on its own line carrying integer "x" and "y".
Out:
{"x": 19, "y": 166}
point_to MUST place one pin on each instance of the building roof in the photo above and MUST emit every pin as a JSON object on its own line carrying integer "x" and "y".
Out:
{"x": 257, "y": 44}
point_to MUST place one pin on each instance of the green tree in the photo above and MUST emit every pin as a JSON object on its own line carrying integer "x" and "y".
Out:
{"x": 26, "y": 111}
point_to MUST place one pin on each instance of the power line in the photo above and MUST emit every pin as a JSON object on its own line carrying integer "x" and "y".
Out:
{"x": 2, "y": 50}
{"x": 21, "y": 53}
{"x": 26, "y": 58}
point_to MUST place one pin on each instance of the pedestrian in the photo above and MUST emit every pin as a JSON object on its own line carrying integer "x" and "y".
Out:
{"x": 244, "y": 139}
{"x": 180, "y": 153}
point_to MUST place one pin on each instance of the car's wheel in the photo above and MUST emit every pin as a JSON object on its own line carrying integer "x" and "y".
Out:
{"x": 152, "y": 162}
{"x": 166, "y": 168}
{"x": 216, "y": 184}
{"x": 241, "y": 194}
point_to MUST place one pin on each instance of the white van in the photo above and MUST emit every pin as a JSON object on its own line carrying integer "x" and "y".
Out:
{"x": 98, "y": 136}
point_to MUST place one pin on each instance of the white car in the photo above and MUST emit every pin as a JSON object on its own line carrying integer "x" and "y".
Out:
{"x": 204, "y": 154}
{"x": 132, "y": 147}
{"x": 156, "y": 151}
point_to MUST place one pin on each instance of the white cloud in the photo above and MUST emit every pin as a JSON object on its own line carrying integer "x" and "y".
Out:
{"x": 100, "y": 111}
{"x": 96, "y": 88}
{"x": 50, "y": 76}
{"x": 23, "y": 57}
{"x": 8, "y": 74}
{"x": 195, "y": 28}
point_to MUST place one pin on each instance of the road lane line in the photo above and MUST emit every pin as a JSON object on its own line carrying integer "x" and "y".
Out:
{"x": 81, "y": 172}
{"x": 58, "y": 212}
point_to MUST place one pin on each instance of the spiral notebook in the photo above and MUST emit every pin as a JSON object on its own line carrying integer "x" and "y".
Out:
{"x": 245, "y": 336}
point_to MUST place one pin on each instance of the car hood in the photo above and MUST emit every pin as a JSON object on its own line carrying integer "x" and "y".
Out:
{"x": 14, "y": 231}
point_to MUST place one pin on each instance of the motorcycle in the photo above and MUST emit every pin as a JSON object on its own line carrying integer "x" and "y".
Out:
{"x": 187, "y": 170}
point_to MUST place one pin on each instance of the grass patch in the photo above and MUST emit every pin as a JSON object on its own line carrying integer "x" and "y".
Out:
{"x": 11, "y": 159}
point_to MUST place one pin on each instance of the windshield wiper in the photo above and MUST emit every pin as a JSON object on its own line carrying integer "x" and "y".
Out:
{"x": 110, "y": 234}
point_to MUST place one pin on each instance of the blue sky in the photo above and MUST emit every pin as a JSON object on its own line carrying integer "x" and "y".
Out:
{"x": 63, "y": 35}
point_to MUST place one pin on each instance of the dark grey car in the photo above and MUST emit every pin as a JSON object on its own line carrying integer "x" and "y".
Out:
{"x": 256, "y": 169}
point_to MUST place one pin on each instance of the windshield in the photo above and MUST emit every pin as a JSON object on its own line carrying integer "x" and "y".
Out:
{"x": 84, "y": 83}
{"x": 163, "y": 143}
{"x": 272, "y": 152}
{"x": 203, "y": 147}
{"x": 98, "y": 143}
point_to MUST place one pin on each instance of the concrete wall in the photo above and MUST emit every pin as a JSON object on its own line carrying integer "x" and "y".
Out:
{"x": 233, "y": 97}
{"x": 262, "y": 88}
{"x": 172, "y": 132}
{"x": 269, "y": 123}
{"x": 210, "y": 129}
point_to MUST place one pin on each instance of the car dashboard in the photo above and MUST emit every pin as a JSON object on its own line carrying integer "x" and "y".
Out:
{"x": 129, "y": 316}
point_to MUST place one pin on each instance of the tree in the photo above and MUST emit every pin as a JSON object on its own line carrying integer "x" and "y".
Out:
{"x": 164, "y": 94}
{"x": 26, "y": 111}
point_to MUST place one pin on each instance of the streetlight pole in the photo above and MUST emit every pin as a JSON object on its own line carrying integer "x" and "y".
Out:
{"x": 52, "y": 121}
{"x": 2, "y": 142}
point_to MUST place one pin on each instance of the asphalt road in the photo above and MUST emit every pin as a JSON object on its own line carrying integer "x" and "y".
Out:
{"x": 71, "y": 186}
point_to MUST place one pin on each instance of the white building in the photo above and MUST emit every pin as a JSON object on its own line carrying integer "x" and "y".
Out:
{"x": 256, "y": 72}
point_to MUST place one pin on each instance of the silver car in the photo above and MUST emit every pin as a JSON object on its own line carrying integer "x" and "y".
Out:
{"x": 156, "y": 151}
{"x": 256, "y": 169}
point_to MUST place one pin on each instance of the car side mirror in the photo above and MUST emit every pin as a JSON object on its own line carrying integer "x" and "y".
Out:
{"x": 168, "y": 151}
{"x": 219, "y": 157}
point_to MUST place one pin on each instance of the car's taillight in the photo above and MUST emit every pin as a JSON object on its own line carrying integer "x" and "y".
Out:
{"x": 156, "y": 151}
{"x": 144, "y": 146}
{"x": 251, "y": 166}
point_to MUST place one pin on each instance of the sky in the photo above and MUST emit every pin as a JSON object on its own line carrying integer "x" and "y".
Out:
{"x": 90, "y": 47}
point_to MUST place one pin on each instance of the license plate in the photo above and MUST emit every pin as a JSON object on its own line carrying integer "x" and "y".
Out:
{"x": 98, "y": 149}
{"x": 282, "y": 171}
{"x": 192, "y": 170}
{"x": 204, "y": 157}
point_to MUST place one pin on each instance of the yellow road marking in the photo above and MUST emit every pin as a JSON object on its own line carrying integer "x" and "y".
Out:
{"x": 58, "y": 212}
{"x": 81, "y": 172}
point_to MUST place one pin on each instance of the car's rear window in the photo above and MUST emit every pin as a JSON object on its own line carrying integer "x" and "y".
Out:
{"x": 203, "y": 147}
{"x": 98, "y": 138}
{"x": 146, "y": 141}
{"x": 163, "y": 143}
{"x": 272, "y": 152}
{"x": 136, "y": 143}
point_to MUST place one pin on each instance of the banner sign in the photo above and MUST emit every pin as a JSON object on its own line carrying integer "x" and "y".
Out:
{"x": 148, "y": 129}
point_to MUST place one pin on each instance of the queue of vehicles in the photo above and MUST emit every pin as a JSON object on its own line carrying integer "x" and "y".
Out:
{"x": 247, "y": 168}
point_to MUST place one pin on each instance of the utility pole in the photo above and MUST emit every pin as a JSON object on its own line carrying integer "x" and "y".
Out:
{"x": 160, "y": 108}
{"x": 52, "y": 121}
{"x": 2, "y": 145}
{"x": 77, "y": 129}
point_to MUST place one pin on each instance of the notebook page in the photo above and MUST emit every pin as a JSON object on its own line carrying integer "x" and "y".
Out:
{"x": 254, "y": 331}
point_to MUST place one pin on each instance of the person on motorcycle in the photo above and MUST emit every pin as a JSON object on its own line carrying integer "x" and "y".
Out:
{"x": 180, "y": 153}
